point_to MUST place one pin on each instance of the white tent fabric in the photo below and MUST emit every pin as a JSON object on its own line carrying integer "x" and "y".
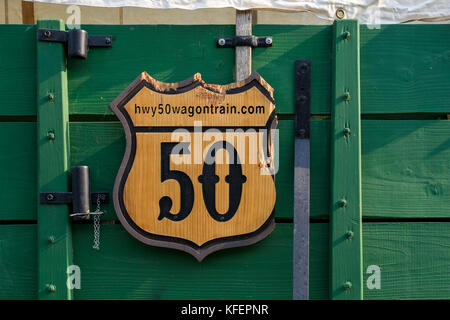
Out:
{"x": 366, "y": 11}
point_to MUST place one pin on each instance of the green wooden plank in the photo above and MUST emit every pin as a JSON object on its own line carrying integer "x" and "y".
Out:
{"x": 406, "y": 168}
{"x": 345, "y": 226}
{"x": 125, "y": 268}
{"x": 18, "y": 262}
{"x": 53, "y": 162}
{"x": 413, "y": 258}
{"x": 405, "y": 69}
{"x": 101, "y": 146}
{"x": 18, "y": 70}
{"x": 18, "y": 171}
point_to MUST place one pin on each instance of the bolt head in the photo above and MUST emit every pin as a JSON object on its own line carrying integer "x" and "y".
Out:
{"x": 50, "y": 197}
{"x": 346, "y": 35}
{"x": 108, "y": 40}
{"x": 50, "y": 287}
{"x": 221, "y": 42}
{"x": 268, "y": 40}
{"x": 342, "y": 203}
{"x": 347, "y": 131}
{"x": 50, "y": 97}
{"x": 51, "y": 135}
{"x": 349, "y": 234}
{"x": 347, "y": 96}
{"x": 47, "y": 33}
{"x": 347, "y": 285}
{"x": 51, "y": 239}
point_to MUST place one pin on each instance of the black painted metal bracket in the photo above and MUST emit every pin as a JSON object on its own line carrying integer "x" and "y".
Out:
{"x": 67, "y": 197}
{"x": 239, "y": 41}
{"x": 78, "y": 41}
{"x": 80, "y": 197}
{"x": 302, "y": 98}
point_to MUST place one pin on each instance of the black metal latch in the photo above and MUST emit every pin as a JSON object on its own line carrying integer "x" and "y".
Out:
{"x": 250, "y": 41}
{"x": 78, "y": 41}
{"x": 80, "y": 197}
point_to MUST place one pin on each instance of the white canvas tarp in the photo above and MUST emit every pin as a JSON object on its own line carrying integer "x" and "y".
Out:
{"x": 366, "y": 11}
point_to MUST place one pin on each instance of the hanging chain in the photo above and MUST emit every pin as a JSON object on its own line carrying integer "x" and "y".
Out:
{"x": 96, "y": 245}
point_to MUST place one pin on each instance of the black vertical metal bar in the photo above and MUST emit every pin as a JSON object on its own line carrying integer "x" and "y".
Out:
{"x": 302, "y": 98}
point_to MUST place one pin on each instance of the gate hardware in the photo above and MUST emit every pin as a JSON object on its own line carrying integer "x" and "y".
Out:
{"x": 78, "y": 41}
{"x": 79, "y": 197}
{"x": 302, "y": 98}
{"x": 239, "y": 41}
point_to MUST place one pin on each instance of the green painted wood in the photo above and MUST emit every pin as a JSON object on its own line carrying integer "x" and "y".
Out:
{"x": 18, "y": 262}
{"x": 53, "y": 164}
{"x": 413, "y": 258}
{"x": 18, "y": 70}
{"x": 125, "y": 268}
{"x": 101, "y": 146}
{"x": 413, "y": 58}
{"x": 405, "y": 168}
{"x": 18, "y": 171}
{"x": 345, "y": 218}
{"x": 404, "y": 69}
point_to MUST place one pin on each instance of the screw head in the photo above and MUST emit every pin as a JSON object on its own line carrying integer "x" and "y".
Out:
{"x": 51, "y": 239}
{"x": 221, "y": 42}
{"x": 108, "y": 40}
{"x": 268, "y": 40}
{"x": 302, "y": 98}
{"x": 346, "y": 35}
{"x": 50, "y": 287}
{"x": 50, "y": 97}
{"x": 347, "y": 285}
{"x": 342, "y": 203}
{"x": 50, "y": 197}
{"x": 346, "y": 96}
{"x": 51, "y": 135}
{"x": 340, "y": 13}
{"x": 347, "y": 131}
{"x": 349, "y": 234}
{"x": 47, "y": 33}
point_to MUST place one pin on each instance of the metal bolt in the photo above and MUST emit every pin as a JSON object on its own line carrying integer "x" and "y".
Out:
{"x": 346, "y": 35}
{"x": 47, "y": 33}
{"x": 301, "y": 132}
{"x": 51, "y": 135}
{"x": 349, "y": 234}
{"x": 50, "y": 97}
{"x": 51, "y": 288}
{"x": 268, "y": 41}
{"x": 342, "y": 203}
{"x": 346, "y": 96}
{"x": 108, "y": 40}
{"x": 347, "y": 131}
{"x": 340, "y": 13}
{"x": 50, "y": 197}
{"x": 347, "y": 285}
{"x": 51, "y": 239}
{"x": 303, "y": 98}
{"x": 221, "y": 42}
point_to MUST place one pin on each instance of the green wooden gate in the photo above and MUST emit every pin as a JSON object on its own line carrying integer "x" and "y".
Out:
{"x": 54, "y": 114}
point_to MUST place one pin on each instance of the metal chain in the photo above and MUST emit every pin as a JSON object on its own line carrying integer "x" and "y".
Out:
{"x": 96, "y": 245}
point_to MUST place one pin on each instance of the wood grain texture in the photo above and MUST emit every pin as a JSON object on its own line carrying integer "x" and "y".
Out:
{"x": 127, "y": 269}
{"x": 412, "y": 256}
{"x": 345, "y": 206}
{"x": 52, "y": 166}
{"x": 412, "y": 57}
{"x": 243, "y": 54}
{"x": 18, "y": 70}
{"x": 18, "y": 262}
{"x": 18, "y": 171}
{"x": 101, "y": 145}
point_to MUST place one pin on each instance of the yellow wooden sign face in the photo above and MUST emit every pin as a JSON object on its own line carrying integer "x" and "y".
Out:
{"x": 197, "y": 174}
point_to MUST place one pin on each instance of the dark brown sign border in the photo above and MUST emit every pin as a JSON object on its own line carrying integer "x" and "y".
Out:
{"x": 117, "y": 106}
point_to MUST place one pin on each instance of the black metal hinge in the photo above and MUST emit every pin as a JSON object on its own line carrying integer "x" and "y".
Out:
{"x": 302, "y": 98}
{"x": 78, "y": 41}
{"x": 238, "y": 41}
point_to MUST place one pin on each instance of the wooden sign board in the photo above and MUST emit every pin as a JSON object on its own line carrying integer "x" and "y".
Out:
{"x": 197, "y": 174}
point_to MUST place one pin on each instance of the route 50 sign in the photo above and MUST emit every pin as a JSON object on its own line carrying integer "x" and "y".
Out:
{"x": 199, "y": 165}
